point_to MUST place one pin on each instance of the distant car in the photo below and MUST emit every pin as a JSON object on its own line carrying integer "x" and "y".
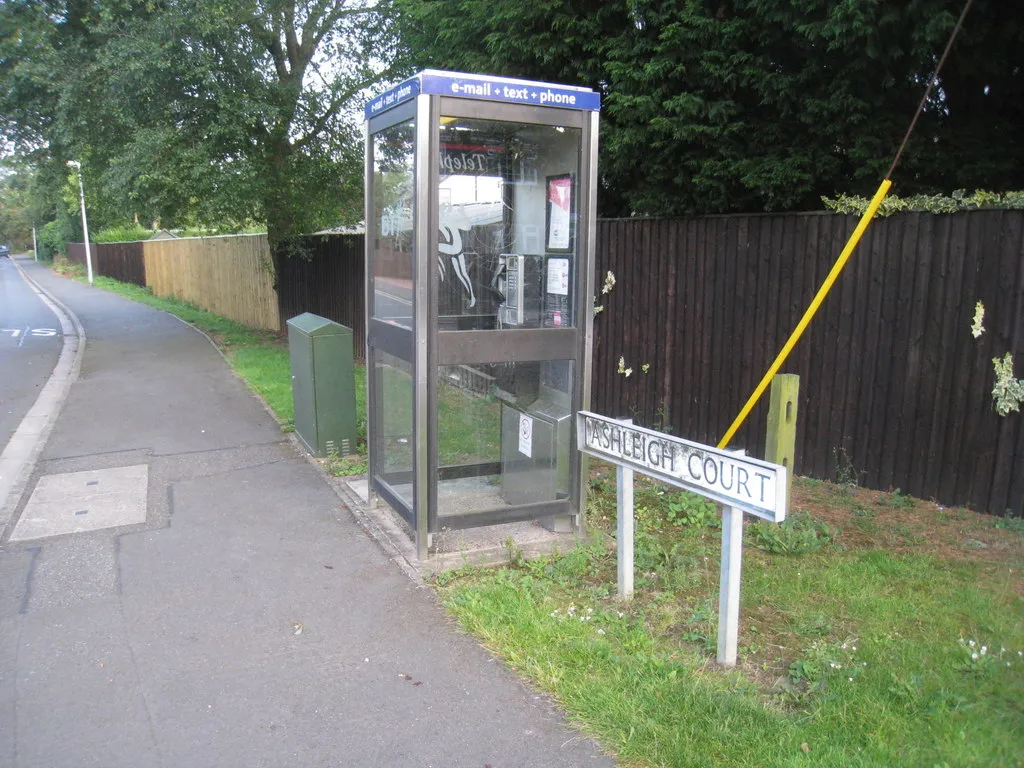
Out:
{"x": 4, "y": 250}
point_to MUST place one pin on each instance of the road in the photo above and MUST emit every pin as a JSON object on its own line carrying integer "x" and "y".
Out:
{"x": 30, "y": 343}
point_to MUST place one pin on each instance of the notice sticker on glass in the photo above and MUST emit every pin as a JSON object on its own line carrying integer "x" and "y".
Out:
{"x": 525, "y": 435}
{"x": 558, "y": 276}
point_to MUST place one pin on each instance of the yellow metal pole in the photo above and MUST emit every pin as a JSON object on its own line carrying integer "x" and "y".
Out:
{"x": 794, "y": 337}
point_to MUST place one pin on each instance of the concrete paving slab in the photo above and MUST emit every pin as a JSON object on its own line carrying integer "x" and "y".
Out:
{"x": 76, "y": 502}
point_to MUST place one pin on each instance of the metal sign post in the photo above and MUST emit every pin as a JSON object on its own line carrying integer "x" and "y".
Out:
{"x": 729, "y": 585}
{"x": 624, "y": 493}
{"x": 624, "y": 516}
{"x": 741, "y": 484}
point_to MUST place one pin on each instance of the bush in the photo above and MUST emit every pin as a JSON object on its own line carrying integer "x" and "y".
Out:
{"x": 127, "y": 234}
{"x": 54, "y": 237}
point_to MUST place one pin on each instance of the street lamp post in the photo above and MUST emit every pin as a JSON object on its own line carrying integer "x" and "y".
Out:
{"x": 85, "y": 224}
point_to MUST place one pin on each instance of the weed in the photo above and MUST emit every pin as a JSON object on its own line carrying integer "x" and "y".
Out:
{"x": 954, "y": 513}
{"x": 661, "y": 423}
{"x": 797, "y": 535}
{"x": 1008, "y": 523}
{"x": 344, "y": 466}
{"x": 447, "y": 577}
{"x": 824, "y": 663}
{"x": 654, "y": 506}
{"x": 68, "y": 268}
{"x": 815, "y": 625}
{"x": 513, "y": 553}
{"x": 899, "y": 500}
{"x": 664, "y": 559}
{"x": 691, "y": 511}
{"x": 979, "y": 659}
{"x": 863, "y": 518}
{"x": 702, "y": 628}
{"x": 846, "y": 473}
{"x": 347, "y": 466}
{"x": 866, "y": 525}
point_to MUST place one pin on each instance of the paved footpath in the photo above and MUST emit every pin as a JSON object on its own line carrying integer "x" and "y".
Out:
{"x": 235, "y": 615}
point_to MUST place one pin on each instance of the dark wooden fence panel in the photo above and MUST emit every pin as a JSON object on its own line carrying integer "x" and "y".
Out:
{"x": 329, "y": 283}
{"x": 120, "y": 261}
{"x": 893, "y": 385}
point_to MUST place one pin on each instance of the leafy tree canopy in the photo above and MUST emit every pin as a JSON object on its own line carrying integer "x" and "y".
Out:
{"x": 197, "y": 111}
{"x": 740, "y": 105}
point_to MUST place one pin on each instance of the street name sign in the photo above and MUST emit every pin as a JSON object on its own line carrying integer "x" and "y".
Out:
{"x": 755, "y": 486}
{"x": 740, "y": 483}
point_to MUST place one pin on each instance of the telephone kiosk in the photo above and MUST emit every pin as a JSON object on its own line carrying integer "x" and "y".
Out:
{"x": 480, "y": 237}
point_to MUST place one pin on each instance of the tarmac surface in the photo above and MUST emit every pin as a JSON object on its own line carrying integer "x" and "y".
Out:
{"x": 30, "y": 342}
{"x": 235, "y": 614}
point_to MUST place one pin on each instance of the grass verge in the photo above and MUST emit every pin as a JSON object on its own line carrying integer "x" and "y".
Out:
{"x": 899, "y": 646}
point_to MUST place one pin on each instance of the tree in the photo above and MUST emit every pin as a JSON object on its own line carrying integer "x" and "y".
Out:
{"x": 202, "y": 110}
{"x": 15, "y": 227}
{"x": 728, "y": 105}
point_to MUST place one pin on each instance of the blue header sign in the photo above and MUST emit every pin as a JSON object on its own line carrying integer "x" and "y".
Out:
{"x": 462, "y": 85}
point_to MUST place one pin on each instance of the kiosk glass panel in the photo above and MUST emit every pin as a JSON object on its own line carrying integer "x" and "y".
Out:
{"x": 504, "y": 435}
{"x": 393, "y": 211}
{"x": 393, "y": 440}
{"x": 508, "y": 204}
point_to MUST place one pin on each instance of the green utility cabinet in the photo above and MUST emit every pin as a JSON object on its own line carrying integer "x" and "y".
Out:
{"x": 323, "y": 384}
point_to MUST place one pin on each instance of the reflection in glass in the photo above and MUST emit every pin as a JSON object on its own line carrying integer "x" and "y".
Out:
{"x": 504, "y": 435}
{"x": 393, "y": 439}
{"x": 393, "y": 212}
{"x": 507, "y": 218}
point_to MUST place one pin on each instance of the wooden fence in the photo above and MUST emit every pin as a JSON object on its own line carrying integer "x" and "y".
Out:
{"x": 892, "y": 384}
{"x": 232, "y": 276}
{"x": 329, "y": 283}
{"x": 120, "y": 261}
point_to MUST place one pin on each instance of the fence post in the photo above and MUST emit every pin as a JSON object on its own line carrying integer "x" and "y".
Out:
{"x": 780, "y": 442}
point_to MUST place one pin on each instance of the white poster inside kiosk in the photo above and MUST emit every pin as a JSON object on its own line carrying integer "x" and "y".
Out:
{"x": 757, "y": 487}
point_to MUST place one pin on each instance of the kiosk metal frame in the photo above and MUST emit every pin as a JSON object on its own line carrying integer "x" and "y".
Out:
{"x": 415, "y": 347}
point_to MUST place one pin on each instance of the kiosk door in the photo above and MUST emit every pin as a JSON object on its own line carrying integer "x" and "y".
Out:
{"x": 391, "y": 300}
{"x": 506, "y": 323}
